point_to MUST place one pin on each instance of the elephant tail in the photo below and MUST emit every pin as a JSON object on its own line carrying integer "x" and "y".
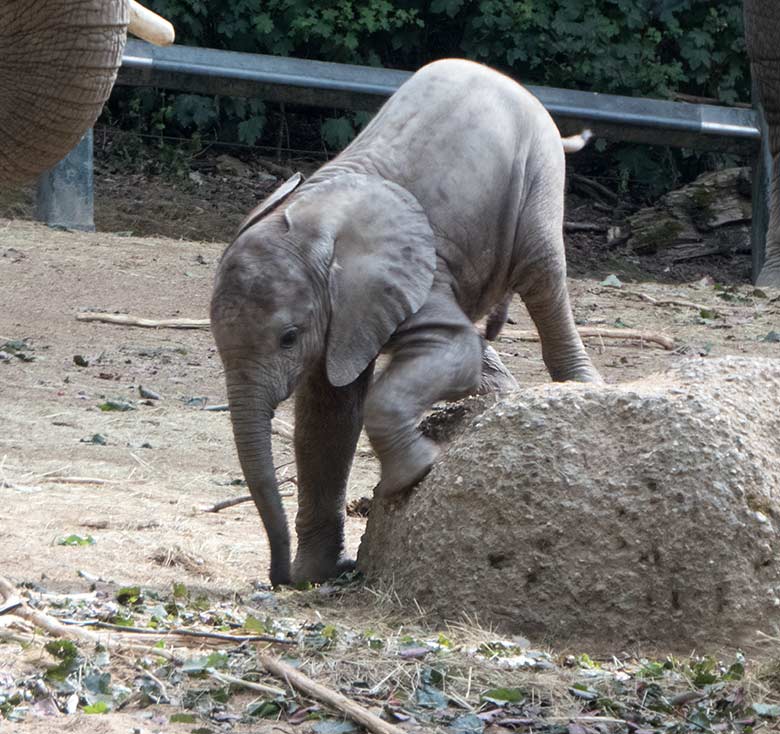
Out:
{"x": 575, "y": 143}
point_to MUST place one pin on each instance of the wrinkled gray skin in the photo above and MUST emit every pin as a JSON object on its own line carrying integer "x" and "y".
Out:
{"x": 762, "y": 25}
{"x": 449, "y": 199}
{"x": 58, "y": 63}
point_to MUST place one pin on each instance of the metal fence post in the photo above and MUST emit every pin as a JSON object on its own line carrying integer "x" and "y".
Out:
{"x": 65, "y": 196}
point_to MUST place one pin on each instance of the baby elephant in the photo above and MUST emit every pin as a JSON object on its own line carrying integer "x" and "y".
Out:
{"x": 450, "y": 198}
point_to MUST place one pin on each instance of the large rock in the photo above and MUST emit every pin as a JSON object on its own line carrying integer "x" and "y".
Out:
{"x": 642, "y": 513}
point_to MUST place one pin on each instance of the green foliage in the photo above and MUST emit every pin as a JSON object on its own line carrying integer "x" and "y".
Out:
{"x": 655, "y": 48}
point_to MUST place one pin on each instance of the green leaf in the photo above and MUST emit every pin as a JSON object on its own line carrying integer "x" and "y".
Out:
{"x": 251, "y": 130}
{"x": 503, "y": 696}
{"x": 77, "y": 540}
{"x": 709, "y": 314}
{"x": 129, "y": 595}
{"x": 123, "y": 620}
{"x": 99, "y": 707}
{"x": 180, "y": 590}
{"x": 183, "y": 719}
{"x": 254, "y": 626}
{"x": 116, "y": 405}
{"x": 337, "y": 132}
{"x": 263, "y": 709}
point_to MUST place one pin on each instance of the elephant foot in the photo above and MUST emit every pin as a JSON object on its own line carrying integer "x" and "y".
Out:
{"x": 315, "y": 569}
{"x": 495, "y": 376}
{"x": 768, "y": 278}
{"x": 403, "y": 469}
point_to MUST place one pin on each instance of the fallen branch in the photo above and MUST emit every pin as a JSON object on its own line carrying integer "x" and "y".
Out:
{"x": 584, "y": 227}
{"x": 127, "y": 320}
{"x": 248, "y": 684}
{"x": 586, "y": 331}
{"x": 224, "y": 504}
{"x": 303, "y": 683}
{"x": 177, "y": 632}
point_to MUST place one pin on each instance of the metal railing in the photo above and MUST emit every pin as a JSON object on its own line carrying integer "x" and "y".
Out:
{"x": 323, "y": 84}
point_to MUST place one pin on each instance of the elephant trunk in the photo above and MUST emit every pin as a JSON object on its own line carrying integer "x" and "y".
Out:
{"x": 251, "y": 416}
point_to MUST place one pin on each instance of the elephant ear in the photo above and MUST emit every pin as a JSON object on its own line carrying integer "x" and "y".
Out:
{"x": 381, "y": 269}
{"x": 271, "y": 202}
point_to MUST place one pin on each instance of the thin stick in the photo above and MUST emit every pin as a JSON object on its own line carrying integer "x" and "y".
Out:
{"x": 81, "y": 480}
{"x": 156, "y": 634}
{"x": 127, "y": 320}
{"x": 249, "y": 684}
{"x": 586, "y": 331}
{"x": 303, "y": 683}
{"x": 584, "y": 227}
{"x": 224, "y": 504}
{"x": 665, "y": 301}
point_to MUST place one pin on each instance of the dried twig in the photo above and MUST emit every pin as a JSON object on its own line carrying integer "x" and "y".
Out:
{"x": 586, "y": 331}
{"x": 127, "y": 320}
{"x": 594, "y": 188}
{"x": 224, "y": 504}
{"x": 249, "y": 684}
{"x": 178, "y": 632}
{"x": 303, "y": 683}
{"x": 668, "y": 301}
{"x": 584, "y": 227}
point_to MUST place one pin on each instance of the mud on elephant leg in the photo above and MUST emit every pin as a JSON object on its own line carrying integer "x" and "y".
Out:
{"x": 328, "y": 421}
{"x": 436, "y": 355}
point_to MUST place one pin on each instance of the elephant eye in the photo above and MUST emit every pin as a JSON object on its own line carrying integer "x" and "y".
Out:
{"x": 289, "y": 338}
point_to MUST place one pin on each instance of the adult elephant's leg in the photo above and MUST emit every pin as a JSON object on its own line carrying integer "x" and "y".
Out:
{"x": 762, "y": 25}
{"x": 327, "y": 426}
{"x": 436, "y": 355}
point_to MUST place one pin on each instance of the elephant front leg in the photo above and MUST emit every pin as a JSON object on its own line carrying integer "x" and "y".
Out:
{"x": 327, "y": 427}
{"x": 436, "y": 355}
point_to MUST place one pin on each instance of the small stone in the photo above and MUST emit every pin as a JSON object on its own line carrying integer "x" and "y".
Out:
{"x": 148, "y": 394}
{"x": 80, "y": 361}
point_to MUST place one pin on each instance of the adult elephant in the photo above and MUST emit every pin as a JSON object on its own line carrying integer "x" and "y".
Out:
{"x": 762, "y": 23}
{"x": 58, "y": 63}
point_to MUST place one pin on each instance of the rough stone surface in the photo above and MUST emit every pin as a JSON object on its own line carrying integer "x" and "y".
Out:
{"x": 644, "y": 513}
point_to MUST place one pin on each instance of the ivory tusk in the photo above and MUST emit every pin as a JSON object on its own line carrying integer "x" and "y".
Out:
{"x": 149, "y": 26}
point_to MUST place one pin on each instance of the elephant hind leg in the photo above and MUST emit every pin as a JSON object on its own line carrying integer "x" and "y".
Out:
{"x": 436, "y": 355}
{"x": 563, "y": 352}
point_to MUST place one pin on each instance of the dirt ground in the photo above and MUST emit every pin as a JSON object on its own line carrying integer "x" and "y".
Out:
{"x": 137, "y": 481}
{"x": 163, "y": 462}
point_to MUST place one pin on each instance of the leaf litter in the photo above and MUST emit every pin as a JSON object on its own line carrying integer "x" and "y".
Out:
{"x": 460, "y": 679}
